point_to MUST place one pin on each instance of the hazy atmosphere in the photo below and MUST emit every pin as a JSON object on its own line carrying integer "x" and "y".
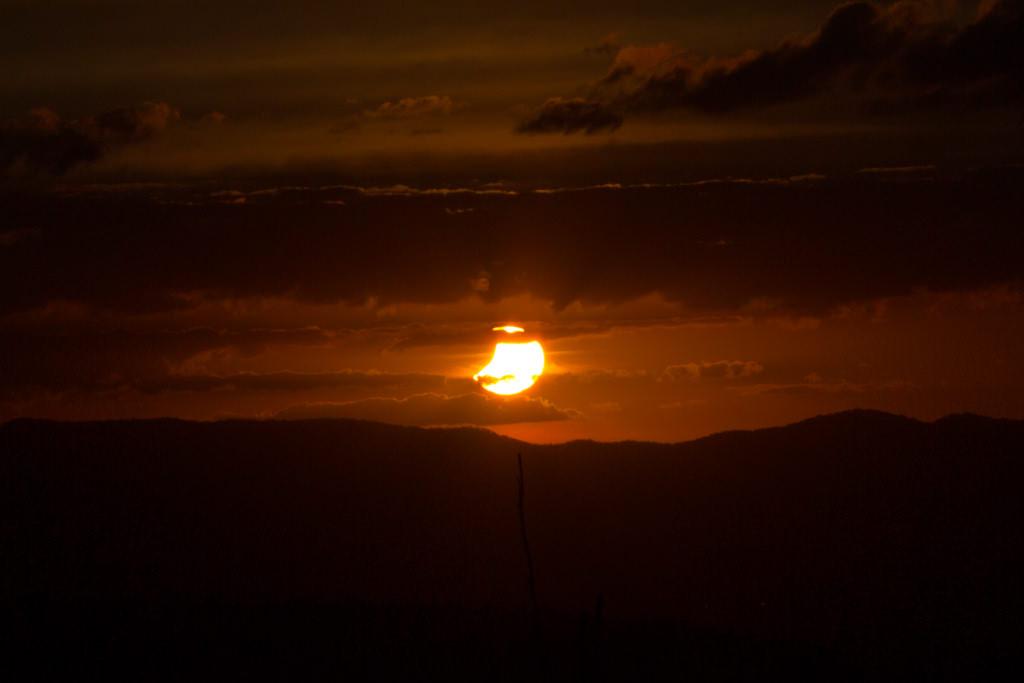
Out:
{"x": 712, "y": 215}
{"x": 535, "y": 341}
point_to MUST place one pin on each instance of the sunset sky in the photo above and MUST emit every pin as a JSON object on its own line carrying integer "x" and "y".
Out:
{"x": 712, "y": 215}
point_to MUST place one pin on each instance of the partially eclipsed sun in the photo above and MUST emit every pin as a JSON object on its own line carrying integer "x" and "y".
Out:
{"x": 515, "y": 367}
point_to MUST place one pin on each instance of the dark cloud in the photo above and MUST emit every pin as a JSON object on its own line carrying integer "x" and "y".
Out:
{"x": 559, "y": 115}
{"x": 435, "y": 409}
{"x": 91, "y": 361}
{"x": 130, "y": 124}
{"x": 43, "y": 141}
{"x": 903, "y": 56}
{"x": 736, "y": 248}
{"x": 475, "y": 335}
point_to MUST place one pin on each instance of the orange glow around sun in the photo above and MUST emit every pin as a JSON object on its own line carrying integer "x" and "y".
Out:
{"x": 514, "y": 367}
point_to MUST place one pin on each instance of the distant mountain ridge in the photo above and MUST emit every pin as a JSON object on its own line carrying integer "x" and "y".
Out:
{"x": 863, "y": 531}
{"x": 862, "y": 415}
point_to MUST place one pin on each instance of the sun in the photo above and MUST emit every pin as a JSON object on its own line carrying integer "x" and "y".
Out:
{"x": 514, "y": 368}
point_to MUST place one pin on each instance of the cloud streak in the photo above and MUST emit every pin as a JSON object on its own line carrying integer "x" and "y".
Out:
{"x": 720, "y": 369}
{"x": 404, "y": 109}
{"x": 290, "y": 381}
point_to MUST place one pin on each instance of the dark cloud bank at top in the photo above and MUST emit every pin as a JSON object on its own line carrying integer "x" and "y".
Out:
{"x": 877, "y": 59}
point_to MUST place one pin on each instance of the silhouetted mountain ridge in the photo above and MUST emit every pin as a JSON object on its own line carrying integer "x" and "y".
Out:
{"x": 884, "y": 537}
{"x": 859, "y": 417}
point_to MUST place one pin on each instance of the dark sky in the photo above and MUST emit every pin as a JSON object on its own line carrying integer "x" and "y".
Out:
{"x": 713, "y": 215}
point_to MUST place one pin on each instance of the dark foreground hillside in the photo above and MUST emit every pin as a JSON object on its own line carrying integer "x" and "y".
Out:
{"x": 857, "y": 545}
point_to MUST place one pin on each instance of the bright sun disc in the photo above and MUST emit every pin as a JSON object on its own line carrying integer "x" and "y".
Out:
{"x": 515, "y": 367}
